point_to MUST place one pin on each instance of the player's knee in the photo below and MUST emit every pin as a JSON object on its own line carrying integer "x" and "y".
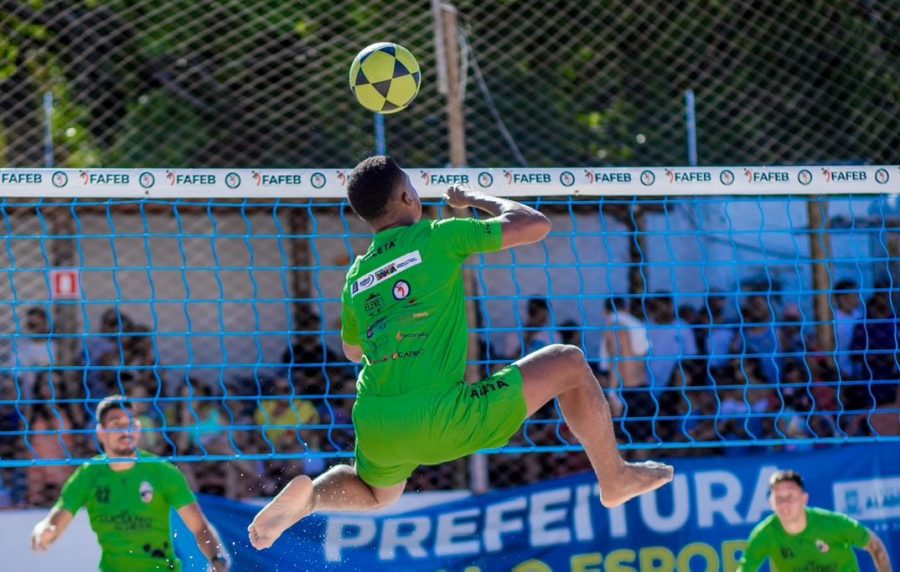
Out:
{"x": 387, "y": 497}
{"x": 571, "y": 357}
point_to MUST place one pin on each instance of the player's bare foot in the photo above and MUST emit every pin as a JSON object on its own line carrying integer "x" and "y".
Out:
{"x": 289, "y": 507}
{"x": 635, "y": 479}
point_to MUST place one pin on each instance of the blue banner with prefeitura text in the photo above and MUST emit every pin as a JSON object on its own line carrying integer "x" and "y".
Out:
{"x": 699, "y": 522}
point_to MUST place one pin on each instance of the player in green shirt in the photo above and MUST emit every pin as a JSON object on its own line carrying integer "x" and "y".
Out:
{"x": 798, "y": 538}
{"x": 129, "y": 503}
{"x": 404, "y": 319}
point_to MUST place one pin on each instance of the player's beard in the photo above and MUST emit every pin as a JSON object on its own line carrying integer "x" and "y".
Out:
{"x": 124, "y": 447}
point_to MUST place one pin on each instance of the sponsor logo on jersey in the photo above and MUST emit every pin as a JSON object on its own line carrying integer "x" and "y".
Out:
{"x": 102, "y": 494}
{"x": 406, "y": 355}
{"x": 375, "y": 327}
{"x": 822, "y": 546}
{"x": 401, "y": 289}
{"x": 382, "y": 273}
{"x": 373, "y": 304}
{"x": 146, "y": 491}
{"x": 410, "y": 335}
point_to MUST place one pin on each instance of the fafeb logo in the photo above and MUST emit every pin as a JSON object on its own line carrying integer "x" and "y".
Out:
{"x": 443, "y": 178}
{"x": 675, "y": 176}
{"x": 843, "y": 175}
{"x": 267, "y": 180}
{"x": 757, "y": 176}
{"x": 600, "y": 177}
{"x": 176, "y": 178}
{"x": 342, "y": 178}
{"x": 513, "y": 177}
{"x": 93, "y": 178}
{"x": 13, "y": 178}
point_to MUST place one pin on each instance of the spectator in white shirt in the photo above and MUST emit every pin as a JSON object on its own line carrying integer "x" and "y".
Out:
{"x": 847, "y": 313}
{"x": 624, "y": 346}
{"x": 33, "y": 349}
{"x": 670, "y": 341}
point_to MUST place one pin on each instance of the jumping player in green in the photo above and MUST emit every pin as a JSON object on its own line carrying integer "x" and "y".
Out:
{"x": 129, "y": 503}
{"x": 800, "y": 538}
{"x": 404, "y": 319}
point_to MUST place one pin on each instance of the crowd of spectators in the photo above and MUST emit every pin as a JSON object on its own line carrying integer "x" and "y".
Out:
{"x": 296, "y": 414}
{"x": 672, "y": 374}
{"x": 705, "y": 375}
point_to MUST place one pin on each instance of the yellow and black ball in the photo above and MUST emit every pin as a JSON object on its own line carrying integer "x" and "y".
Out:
{"x": 385, "y": 77}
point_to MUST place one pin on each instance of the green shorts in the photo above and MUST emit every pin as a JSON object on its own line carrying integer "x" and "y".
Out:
{"x": 434, "y": 425}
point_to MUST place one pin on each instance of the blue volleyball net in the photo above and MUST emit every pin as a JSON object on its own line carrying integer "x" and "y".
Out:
{"x": 732, "y": 308}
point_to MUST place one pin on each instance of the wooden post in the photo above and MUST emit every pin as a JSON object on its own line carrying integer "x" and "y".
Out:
{"x": 65, "y": 313}
{"x": 301, "y": 257}
{"x": 455, "y": 118}
{"x": 637, "y": 251}
{"x": 820, "y": 252}
{"x": 448, "y": 29}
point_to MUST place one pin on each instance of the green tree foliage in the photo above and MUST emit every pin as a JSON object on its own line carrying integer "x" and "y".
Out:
{"x": 194, "y": 83}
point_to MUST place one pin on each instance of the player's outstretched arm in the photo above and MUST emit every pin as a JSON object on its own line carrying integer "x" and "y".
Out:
{"x": 521, "y": 224}
{"x": 876, "y": 548}
{"x": 47, "y": 531}
{"x": 207, "y": 538}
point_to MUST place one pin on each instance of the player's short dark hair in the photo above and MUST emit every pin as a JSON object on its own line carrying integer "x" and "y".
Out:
{"x": 372, "y": 185}
{"x": 110, "y": 403}
{"x": 786, "y": 476}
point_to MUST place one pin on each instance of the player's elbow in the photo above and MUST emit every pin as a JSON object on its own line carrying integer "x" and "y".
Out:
{"x": 527, "y": 228}
{"x": 542, "y": 226}
{"x": 353, "y": 353}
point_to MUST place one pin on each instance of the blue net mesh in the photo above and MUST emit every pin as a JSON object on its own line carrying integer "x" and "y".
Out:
{"x": 220, "y": 318}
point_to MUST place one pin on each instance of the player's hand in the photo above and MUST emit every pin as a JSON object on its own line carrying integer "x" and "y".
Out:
{"x": 42, "y": 536}
{"x": 460, "y": 197}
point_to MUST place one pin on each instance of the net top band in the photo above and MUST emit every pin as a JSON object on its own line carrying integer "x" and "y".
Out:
{"x": 432, "y": 183}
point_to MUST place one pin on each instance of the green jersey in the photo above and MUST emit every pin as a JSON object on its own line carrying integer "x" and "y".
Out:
{"x": 825, "y": 545}
{"x": 130, "y": 511}
{"x": 404, "y": 304}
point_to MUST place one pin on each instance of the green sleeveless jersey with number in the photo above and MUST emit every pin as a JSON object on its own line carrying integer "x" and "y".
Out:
{"x": 130, "y": 511}
{"x": 404, "y": 304}
{"x": 826, "y": 545}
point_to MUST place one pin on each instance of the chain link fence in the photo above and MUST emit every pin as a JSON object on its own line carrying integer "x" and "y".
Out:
{"x": 187, "y": 83}
{"x": 263, "y": 83}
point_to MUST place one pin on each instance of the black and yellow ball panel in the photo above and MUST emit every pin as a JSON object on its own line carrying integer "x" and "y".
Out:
{"x": 385, "y": 77}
